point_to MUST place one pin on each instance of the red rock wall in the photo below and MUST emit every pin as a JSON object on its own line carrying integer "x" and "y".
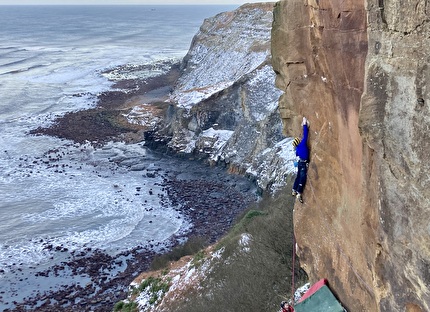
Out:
{"x": 319, "y": 51}
{"x": 359, "y": 71}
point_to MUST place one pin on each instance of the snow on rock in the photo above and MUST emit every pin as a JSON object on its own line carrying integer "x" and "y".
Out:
{"x": 227, "y": 47}
{"x": 213, "y": 140}
{"x": 301, "y": 291}
{"x": 140, "y": 71}
{"x": 183, "y": 276}
{"x": 245, "y": 242}
{"x": 143, "y": 115}
{"x": 184, "y": 141}
{"x": 264, "y": 96}
{"x": 224, "y": 107}
{"x": 190, "y": 97}
{"x": 274, "y": 164}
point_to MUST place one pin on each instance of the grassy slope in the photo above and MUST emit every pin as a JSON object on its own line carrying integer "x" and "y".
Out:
{"x": 257, "y": 280}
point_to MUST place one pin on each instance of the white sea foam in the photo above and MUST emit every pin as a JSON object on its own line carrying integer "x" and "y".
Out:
{"x": 85, "y": 197}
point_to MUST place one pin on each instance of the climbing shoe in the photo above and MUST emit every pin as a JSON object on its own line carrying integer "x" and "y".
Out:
{"x": 299, "y": 197}
{"x": 294, "y": 193}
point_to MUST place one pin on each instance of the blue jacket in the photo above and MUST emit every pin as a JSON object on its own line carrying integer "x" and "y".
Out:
{"x": 302, "y": 150}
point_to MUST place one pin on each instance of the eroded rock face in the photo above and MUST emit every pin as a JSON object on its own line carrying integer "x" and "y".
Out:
{"x": 363, "y": 86}
{"x": 319, "y": 50}
{"x": 364, "y": 224}
{"x": 224, "y": 106}
{"x": 394, "y": 123}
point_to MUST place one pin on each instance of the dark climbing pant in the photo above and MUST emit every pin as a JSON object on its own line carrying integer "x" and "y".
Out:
{"x": 300, "y": 181}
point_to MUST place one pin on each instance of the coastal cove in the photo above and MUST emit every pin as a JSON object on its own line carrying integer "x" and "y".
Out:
{"x": 83, "y": 215}
{"x": 172, "y": 198}
{"x": 206, "y": 203}
{"x": 115, "y": 152}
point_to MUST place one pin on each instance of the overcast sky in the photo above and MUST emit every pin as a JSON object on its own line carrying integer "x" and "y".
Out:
{"x": 26, "y": 2}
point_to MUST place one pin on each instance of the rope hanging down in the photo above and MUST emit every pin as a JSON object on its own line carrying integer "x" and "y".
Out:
{"x": 294, "y": 260}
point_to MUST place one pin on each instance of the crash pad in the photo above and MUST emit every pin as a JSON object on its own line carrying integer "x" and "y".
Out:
{"x": 318, "y": 298}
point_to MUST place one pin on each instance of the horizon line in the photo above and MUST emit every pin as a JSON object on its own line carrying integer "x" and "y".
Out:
{"x": 122, "y": 4}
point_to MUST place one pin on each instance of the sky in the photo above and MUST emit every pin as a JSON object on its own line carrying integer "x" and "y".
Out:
{"x": 123, "y": 2}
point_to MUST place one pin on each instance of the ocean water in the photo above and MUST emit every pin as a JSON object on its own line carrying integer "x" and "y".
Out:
{"x": 56, "y": 192}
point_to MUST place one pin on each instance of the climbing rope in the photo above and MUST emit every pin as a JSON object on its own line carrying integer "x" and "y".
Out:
{"x": 294, "y": 260}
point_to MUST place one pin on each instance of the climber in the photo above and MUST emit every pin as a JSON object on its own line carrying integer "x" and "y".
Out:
{"x": 286, "y": 307}
{"x": 302, "y": 152}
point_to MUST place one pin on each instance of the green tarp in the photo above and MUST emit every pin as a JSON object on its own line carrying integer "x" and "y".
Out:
{"x": 322, "y": 300}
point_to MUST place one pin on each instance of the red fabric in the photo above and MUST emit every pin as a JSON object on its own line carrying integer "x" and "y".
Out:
{"x": 289, "y": 309}
{"x": 314, "y": 288}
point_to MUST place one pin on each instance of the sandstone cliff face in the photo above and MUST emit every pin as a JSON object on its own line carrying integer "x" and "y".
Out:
{"x": 359, "y": 72}
{"x": 394, "y": 123}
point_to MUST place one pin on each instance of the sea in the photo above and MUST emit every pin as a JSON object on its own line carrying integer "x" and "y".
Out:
{"x": 83, "y": 200}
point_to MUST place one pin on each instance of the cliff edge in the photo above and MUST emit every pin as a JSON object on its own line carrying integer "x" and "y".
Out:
{"x": 358, "y": 70}
{"x": 224, "y": 106}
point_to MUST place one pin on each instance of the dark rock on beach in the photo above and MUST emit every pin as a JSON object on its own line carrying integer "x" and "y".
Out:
{"x": 211, "y": 205}
{"x": 107, "y": 121}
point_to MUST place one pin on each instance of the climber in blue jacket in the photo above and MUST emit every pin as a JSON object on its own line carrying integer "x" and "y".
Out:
{"x": 302, "y": 152}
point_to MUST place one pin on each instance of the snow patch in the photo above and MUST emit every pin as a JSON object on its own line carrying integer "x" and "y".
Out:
{"x": 275, "y": 164}
{"x": 143, "y": 116}
{"x": 181, "y": 279}
{"x": 219, "y": 138}
{"x": 301, "y": 291}
{"x": 245, "y": 242}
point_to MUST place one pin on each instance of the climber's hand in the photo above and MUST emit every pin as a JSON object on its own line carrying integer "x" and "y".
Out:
{"x": 305, "y": 121}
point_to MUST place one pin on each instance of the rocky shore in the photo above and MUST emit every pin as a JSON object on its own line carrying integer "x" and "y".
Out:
{"x": 108, "y": 120}
{"x": 223, "y": 109}
{"x": 210, "y": 202}
{"x": 211, "y": 206}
